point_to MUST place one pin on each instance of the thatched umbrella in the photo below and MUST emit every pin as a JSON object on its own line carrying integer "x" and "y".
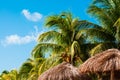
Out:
{"x": 107, "y": 61}
{"x": 63, "y": 71}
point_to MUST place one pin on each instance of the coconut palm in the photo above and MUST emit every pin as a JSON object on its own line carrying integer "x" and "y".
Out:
{"x": 107, "y": 36}
{"x": 62, "y": 38}
{"x": 106, "y": 11}
{"x": 101, "y": 39}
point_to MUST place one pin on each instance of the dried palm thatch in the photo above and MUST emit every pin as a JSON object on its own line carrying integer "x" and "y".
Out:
{"x": 64, "y": 71}
{"x": 107, "y": 61}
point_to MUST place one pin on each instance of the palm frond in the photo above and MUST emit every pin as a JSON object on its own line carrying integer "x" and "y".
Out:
{"x": 58, "y": 21}
{"x": 106, "y": 11}
{"x": 104, "y": 3}
{"x": 86, "y": 24}
{"x": 41, "y": 49}
{"x": 74, "y": 23}
{"x": 49, "y": 63}
{"x": 53, "y": 37}
{"x": 102, "y": 47}
{"x": 24, "y": 70}
{"x": 94, "y": 34}
{"x": 75, "y": 49}
{"x": 33, "y": 74}
{"x": 101, "y": 15}
{"x": 75, "y": 53}
{"x": 48, "y": 36}
{"x": 26, "y": 67}
{"x": 68, "y": 19}
{"x": 117, "y": 25}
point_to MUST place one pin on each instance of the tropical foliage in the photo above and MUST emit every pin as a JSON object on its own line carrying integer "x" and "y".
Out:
{"x": 70, "y": 39}
{"x": 57, "y": 42}
{"x": 63, "y": 36}
{"x": 61, "y": 43}
{"x": 12, "y": 75}
{"x": 108, "y": 35}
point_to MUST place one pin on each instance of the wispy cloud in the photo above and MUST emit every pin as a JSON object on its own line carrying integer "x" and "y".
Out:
{"x": 16, "y": 39}
{"x": 32, "y": 16}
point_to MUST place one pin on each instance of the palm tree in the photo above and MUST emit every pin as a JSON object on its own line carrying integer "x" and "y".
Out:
{"x": 34, "y": 72}
{"x": 108, "y": 35}
{"x": 30, "y": 69}
{"x": 107, "y": 12}
{"x": 12, "y": 75}
{"x": 62, "y": 39}
{"x": 5, "y": 75}
{"x": 25, "y": 70}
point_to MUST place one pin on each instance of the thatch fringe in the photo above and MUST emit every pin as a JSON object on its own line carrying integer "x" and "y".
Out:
{"x": 102, "y": 62}
{"x": 64, "y": 71}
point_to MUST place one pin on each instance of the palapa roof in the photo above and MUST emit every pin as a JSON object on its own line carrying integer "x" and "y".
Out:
{"x": 63, "y": 71}
{"x": 102, "y": 62}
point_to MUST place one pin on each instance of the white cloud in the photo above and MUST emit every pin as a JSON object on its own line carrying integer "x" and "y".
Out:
{"x": 32, "y": 16}
{"x": 16, "y": 39}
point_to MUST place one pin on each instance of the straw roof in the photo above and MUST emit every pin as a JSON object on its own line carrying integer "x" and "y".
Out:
{"x": 63, "y": 71}
{"x": 105, "y": 61}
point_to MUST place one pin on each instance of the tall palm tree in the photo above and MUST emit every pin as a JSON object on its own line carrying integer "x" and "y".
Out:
{"x": 62, "y": 39}
{"x": 107, "y": 36}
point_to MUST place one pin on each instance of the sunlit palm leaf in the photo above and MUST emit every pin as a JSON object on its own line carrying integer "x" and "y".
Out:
{"x": 107, "y": 12}
{"x": 75, "y": 53}
{"x": 26, "y": 67}
{"x": 102, "y": 47}
{"x": 33, "y": 74}
{"x": 101, "y": 14}
{"x": 48, "y": 36}
{"x": 40, "y": 49}
{"x": 24, "y": 70}
{"x": 49, "y": 63}
{"x": 57, "y": 21}
{"x": 52, "y": 37}
{"x": 117, "y": 25}
{"x": 75, "y": 50}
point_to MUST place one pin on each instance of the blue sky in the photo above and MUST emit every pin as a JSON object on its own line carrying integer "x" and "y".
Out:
{"x": 22, "y": 20}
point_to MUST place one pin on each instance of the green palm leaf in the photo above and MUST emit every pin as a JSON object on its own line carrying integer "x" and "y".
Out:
{"x": 75, "y": 53}
{"x": 49, "y": 63}
{"x": 102, "y": 47}
{"x": 106, "y": 11}
{"x": 117, "y": 25}
{"x": 96, "y": 35}
{"x": 53, "y": 37}
{"x": 24, "y": 70}
{"x": 40, "y": 49}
